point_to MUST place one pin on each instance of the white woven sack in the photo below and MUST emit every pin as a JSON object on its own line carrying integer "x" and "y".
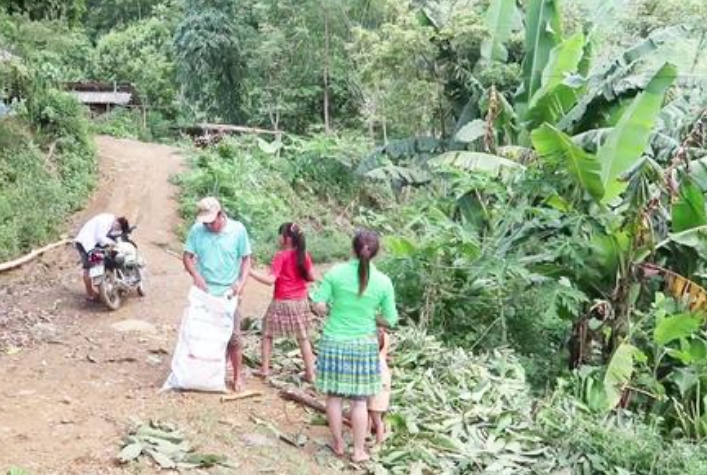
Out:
{"x": 199, "y": 361}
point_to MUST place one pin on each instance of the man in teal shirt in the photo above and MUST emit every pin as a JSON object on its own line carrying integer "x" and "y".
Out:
{"x": 217, "y": 256}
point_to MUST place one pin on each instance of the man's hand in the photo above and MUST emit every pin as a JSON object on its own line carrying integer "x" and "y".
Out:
{"x": 190, "y": 266}
{"x": 199, "y": 282}
{"x": 238, "y": 287}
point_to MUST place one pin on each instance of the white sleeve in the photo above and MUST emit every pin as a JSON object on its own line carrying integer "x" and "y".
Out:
{"x": 102, "y": 229}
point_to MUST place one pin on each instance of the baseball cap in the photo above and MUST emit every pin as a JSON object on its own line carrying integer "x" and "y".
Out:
{"x": 207, "y": 209}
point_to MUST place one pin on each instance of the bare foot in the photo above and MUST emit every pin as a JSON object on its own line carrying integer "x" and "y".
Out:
{"x": 337, "y": 448}
{"x": 261, "y": 373}
{"x": 380, "y": 437}
{"x": 360, "y": 457}
{"x": 306, "y": 377}
{"x": 238, "y": 385}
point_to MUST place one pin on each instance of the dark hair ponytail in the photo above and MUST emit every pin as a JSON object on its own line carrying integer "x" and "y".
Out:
{"x": 294, "y": 232}
{"x": 365, "y": 246}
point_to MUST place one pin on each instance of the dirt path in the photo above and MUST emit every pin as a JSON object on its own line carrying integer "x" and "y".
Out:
{"x": 72, "y": 378}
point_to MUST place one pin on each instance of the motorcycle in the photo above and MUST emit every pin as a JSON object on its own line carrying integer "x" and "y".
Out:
{"x": 116, "y": 270}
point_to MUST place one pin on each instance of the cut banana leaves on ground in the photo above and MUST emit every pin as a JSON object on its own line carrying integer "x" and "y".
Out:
{"x": 455, "y": 412}
{"x": 167, "y": 447}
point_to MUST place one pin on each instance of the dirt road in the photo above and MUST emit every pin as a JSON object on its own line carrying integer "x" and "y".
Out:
{"x": 73, "y": 376}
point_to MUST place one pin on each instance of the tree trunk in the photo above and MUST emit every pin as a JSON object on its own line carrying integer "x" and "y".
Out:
{"x": 325, "y": 72}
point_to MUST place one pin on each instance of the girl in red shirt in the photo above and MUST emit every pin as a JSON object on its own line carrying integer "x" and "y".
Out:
{"x": 289, "y": 312}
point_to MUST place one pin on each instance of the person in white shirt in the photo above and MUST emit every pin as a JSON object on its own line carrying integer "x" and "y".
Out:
{"x": 98, "y": 231}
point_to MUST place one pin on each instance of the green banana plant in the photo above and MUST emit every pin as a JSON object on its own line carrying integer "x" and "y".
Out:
{"x": 601, "y": 174}
{"x": 627, "y": 142}
{"x": 560, "y": 84}
{"x": 543, "y": 31}
{"x": 502, "y": 19}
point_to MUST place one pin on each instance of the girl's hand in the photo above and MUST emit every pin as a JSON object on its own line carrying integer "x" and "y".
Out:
{"x": 319, "y": 308}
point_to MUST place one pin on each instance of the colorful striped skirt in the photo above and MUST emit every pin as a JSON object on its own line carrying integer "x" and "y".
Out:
{"x": 349, "y": 368}
{"x": 288, "y": 318}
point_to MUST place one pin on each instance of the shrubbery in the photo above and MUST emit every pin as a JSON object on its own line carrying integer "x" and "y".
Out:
{"x": 265, "y": 184}
{"x": 47, "y": 169}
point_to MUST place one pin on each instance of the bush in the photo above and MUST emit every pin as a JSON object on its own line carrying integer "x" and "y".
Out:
{"x": 47, "y": 169}
{"x": 120, "y": 123}
{"x": 128, "y": 124}
{"x": 257, "y": 184}
{"x": 617, "y": 444}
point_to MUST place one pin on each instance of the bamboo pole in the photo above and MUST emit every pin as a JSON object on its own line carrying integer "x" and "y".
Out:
{"x": 6, "y": 266}
{"x": 239, "y": 396}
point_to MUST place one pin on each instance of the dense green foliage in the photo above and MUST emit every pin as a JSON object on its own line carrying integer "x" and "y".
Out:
{"x": 47, "y": 166}
{"x": 537, "y": 167}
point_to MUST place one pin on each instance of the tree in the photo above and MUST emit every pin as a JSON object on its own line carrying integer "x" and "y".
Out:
{"x": 140, "y": 54}
{"x": 210, "y": 57}
{"x": 103, "y": 16}
{"x": 56, "y": 52}
{"x": 70, "y": 10}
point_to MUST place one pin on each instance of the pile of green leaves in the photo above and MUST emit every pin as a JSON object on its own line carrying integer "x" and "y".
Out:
{"x": 167, "y": 446}
{"x": 456, "y": 412}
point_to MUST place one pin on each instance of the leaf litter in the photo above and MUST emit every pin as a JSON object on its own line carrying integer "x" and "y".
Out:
{"x": 168, "y": 448}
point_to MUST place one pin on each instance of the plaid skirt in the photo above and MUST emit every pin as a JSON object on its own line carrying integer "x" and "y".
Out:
{"x": 349, "y": 368}
{"x": 288, "y": 318}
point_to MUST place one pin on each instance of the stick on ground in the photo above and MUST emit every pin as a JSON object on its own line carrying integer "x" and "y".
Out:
{"x": 307, "y": 400}
{"x": 243, "y": 395}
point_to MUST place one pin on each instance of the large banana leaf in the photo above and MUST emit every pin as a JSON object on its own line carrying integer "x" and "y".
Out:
{"x": 542, "y": 32}
{"x": 676, "y": 327}
{"x": 695, "y": 238}
{"x": 414, "y": 149}
{"x": 626, "y": 143}
{"x": 698, "y": 171}
{"x": 476, "y": 162}
{"x": 471, "y": 132}
{"x": 618, "y": 374}
{"x": 689, "y": 210}
{"x": 592, "y": 139}
{"x": 585, "y": 168}
{"x": 405, "y": 176}
{"x": 502, "y": 19}
{"x": 609, "y": 81}
{"x": 557, "y": 94}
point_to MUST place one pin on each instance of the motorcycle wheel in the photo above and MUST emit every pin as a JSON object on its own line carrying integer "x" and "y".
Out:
{"x": 109, "y": 293}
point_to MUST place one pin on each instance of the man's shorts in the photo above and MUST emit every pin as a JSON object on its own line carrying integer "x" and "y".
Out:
{"x": 85, "y": 264}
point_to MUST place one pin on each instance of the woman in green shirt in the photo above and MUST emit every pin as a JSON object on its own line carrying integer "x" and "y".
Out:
{"x": 348, "y": 365}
